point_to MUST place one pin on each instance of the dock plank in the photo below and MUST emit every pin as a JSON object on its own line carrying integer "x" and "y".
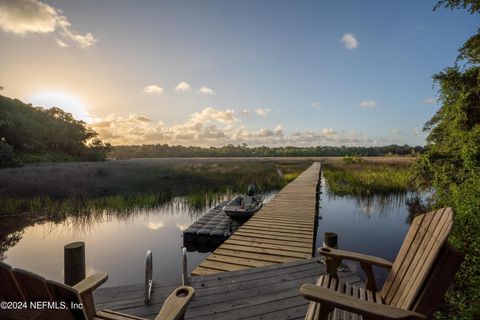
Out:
{"x": 270, "y": 292}
{"x": 286, "y": 224}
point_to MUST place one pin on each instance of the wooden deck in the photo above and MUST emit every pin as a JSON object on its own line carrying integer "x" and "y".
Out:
{"x": 270, "y": 292}
{"x": 282, "y": 231}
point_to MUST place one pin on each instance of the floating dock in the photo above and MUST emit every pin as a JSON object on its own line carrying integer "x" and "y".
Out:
{"x": 213, "y": 228}
{"x": 282, "y": 231}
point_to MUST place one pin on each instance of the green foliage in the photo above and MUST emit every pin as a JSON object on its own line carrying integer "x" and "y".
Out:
{"x": 464, "y": 297}
{"x": 289, "y": 177}
{"x": 451, "y": 165}
{"x": 166, "y": 151}
{"x": 366, "y": 178}
{"x": 8, "y": 158}
{"x": 37, "y": 134}
{"x": 472, "y": 6}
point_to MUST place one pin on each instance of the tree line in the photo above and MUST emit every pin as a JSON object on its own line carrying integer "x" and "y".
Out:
{"x": 167, "y": 151}
{"x": 29, "y": 134}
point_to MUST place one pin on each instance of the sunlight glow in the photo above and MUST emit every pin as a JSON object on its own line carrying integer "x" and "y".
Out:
{"x": 65, "y": 101}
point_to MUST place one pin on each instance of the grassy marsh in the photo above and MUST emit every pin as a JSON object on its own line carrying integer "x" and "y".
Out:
{"x": 142, "y": 183}
{"x": 366, "y": 177}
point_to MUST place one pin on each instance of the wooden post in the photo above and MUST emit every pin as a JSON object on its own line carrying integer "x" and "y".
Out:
{"x": 330, "y": 239}
{"x": 74, "y": 263}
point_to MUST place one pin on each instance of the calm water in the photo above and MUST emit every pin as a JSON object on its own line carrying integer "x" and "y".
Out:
{"x": 375, "y": 225}
{"x": 118, "y": 246}
{"x": 114, "y": 244}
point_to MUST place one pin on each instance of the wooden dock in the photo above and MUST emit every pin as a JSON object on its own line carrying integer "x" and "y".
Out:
{"x": 270, "y": 292}
{"x": 282, "y": 231}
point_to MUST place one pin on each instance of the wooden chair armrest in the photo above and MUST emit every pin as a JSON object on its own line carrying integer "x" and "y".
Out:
{"x": 350, "y": 255}
{"x": 91, "y": 283}
{"x": 174, "y": 306}
{"x": 365, "y": 308}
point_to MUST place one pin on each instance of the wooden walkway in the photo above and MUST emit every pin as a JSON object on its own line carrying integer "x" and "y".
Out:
{"x": 270, "y": 292}
{"x": 282, "y": 231}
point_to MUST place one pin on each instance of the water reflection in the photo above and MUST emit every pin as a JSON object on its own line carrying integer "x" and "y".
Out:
{"x": 116, "y": 242}
{"x": 374, "y": 224}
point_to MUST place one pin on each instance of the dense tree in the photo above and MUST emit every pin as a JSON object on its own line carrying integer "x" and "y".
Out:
{"x": 451, "y": 164}
{"x": 31, "y": 133}
{"x": 166, "y": 151}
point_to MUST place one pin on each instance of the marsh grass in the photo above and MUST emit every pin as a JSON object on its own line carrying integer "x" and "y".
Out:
{"x": 74, "y": 206}
{"x": 367, "y": 178}
{"x": 123, "y": 186}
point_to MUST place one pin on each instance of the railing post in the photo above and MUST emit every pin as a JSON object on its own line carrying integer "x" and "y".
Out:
{"x": 74, "y": 263}
{"x": 185, "y": 265}
{"x": 148, "y": 277}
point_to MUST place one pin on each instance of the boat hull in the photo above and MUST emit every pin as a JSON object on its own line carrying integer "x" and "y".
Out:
{"x": 235, "y": 210}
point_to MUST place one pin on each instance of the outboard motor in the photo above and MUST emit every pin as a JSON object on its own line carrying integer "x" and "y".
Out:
{"x": 251, "y": 190}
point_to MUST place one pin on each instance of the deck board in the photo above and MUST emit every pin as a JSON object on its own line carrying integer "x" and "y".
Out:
{"x": 286, "y": 224}
{"x": 270, "y": 292}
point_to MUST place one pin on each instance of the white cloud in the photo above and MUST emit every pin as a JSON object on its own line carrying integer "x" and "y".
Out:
{"x": 206, "y": 91}
{"x": 430, "y": 101}
{"x": 316, "y": 104}
{"x": 244, "y": 113}
{"x": 25, "y": 16}
{"x": 349, "y": 41}
{"x": 368, "y": 103}
{"x": 33, "y": 16}
{"x": 183, "y": 87}
{"x": 224, "y": 116}
{"x": 215, "y": 127}
{"x": 61, "y": 43}
{"x": 262, "y": 111}
{"x": 153, "y": 89}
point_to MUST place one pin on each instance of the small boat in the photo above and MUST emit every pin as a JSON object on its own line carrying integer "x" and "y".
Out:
{"x": 243, "y": 207}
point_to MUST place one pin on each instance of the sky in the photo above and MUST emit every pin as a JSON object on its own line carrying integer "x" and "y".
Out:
{"x": 211, "y": 73}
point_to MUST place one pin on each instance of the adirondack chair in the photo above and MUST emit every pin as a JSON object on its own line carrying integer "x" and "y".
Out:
{"x": 422, "y": 272}
{"x": 21, "y": 285}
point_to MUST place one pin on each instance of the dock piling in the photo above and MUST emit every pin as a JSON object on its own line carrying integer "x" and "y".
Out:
{"x": 330, "y": 240}
{"x": 74, "y": 263}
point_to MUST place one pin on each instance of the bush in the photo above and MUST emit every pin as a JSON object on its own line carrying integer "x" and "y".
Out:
{"x": 462, "y": 299}
{"x": 8, "y": 158}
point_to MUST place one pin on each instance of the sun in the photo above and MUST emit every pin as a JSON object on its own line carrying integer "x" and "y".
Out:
{"x": 65, "y": 101}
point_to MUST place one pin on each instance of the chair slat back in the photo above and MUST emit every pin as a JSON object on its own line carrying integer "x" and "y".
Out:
{"x": 33, "y": 286}
{"x": 9, "y": 288}
{"x": 425, "y": 238}
{"x": 70, "y": 297}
